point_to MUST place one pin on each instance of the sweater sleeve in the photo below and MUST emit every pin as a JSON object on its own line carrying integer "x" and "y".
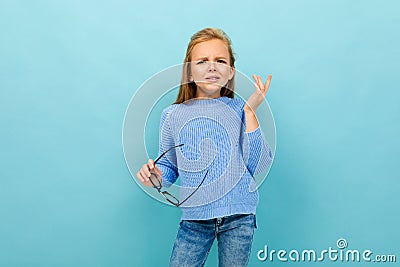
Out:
{"x": 168, "y": 163}
{"x": 257, "y": 152}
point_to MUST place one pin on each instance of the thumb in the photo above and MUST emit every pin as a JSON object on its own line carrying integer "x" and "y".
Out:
{"x": 150, "y": 163}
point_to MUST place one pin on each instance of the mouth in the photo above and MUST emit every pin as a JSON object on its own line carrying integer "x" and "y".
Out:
{"x": 212, "y": 78}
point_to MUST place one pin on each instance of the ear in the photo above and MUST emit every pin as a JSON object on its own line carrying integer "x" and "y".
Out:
{"x": 231, "y": 72}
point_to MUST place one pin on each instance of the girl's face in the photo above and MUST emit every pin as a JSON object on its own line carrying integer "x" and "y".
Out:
{"x": 210, "y": 68}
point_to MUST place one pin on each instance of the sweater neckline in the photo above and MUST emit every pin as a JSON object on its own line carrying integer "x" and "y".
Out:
{"x": 221, "y": 98}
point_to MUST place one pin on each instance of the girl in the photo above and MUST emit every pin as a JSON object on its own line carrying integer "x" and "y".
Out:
{"x": 213, "y": 142}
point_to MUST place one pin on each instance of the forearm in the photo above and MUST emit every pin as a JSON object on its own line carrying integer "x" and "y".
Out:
{"x": 257, "y": 153}
{"x": 251, "y": 119}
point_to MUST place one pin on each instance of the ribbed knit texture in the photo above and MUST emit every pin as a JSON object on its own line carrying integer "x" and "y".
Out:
{"x": 213, "y": 135}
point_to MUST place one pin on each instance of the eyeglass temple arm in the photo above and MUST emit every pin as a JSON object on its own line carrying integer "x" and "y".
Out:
{"x": 194, "y": 190}
{"x": 165, "y": 152}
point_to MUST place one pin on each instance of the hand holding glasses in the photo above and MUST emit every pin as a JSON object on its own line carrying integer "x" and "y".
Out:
{"x": 150, "y": 175}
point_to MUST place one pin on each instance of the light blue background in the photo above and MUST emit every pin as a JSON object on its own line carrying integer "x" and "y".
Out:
{"x": 68, "y": 70}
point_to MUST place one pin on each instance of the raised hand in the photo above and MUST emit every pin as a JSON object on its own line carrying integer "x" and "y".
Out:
{"x": 258, "y": 96}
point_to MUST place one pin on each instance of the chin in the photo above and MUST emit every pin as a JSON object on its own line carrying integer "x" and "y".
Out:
{"x": 210, "y": 88}
{"x": 209, "y": 92}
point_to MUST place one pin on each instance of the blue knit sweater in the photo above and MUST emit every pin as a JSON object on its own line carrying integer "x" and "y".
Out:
{"x": 217, "y": 147}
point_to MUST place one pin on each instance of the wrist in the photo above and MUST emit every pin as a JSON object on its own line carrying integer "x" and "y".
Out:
{"x": 249, "y": 111}
{"x": 251, "y": 119}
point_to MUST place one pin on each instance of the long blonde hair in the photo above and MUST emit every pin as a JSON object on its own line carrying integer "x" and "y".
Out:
{"x": 187, "y": 89}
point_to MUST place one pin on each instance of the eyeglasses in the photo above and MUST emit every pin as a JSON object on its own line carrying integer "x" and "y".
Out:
{"x": 157, "y": 183}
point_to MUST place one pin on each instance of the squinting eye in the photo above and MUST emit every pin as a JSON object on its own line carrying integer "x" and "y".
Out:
{"x": 200, "y": 62}
{"x": 221, "y": 61}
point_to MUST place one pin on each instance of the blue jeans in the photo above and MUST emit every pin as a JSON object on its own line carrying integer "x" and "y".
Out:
{"x": 195, "y": 238}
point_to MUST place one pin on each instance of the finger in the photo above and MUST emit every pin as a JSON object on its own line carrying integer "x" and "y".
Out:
{"x": 151, "y": 163}
{"x": 260, "y": 84}
{"x": 257, "y": 87}
{"x": 142, "y": 176}
{"x": 268, "y": 81}
{"x": 152, "y": 177}
{"x": 263, "y": 86}
{"x": 147, "y": 170}
{"x": 139, "y": 176}
{"x": 256, "y": 79}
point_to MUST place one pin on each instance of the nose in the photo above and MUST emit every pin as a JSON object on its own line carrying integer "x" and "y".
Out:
{"x": 211, "y": 66}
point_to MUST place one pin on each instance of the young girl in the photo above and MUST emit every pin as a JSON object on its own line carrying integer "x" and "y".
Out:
{"x": 213, "y": 142}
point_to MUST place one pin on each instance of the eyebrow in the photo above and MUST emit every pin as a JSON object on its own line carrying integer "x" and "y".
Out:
{"x": 219, "y": 57}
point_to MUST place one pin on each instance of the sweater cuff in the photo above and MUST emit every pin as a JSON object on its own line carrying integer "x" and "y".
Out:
{"x": 254, "y": 134}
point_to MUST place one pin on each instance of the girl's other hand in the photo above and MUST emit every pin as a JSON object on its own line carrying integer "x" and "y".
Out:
{"x": 146, "y": 171}
{"x": 258, "y": 96}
